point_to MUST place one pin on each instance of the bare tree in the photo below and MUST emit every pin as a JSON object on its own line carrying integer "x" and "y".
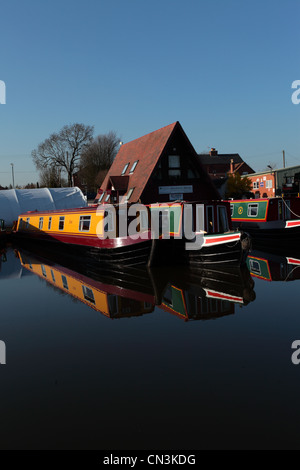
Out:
{"x": 63, "y": 149}
{"x": 98, "y": 157}
{"x": 51, "y": 178}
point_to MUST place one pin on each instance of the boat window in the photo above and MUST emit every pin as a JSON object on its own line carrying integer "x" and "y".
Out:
{"x": 41, "y": 223}
{"x": 125, "y": 169}
{"x": 252, "y": 210}
{"x": 43, "y": 270}
{"x": 49, "y": 223}
{"x": 52, "y": 275}
{"x": 168, "y": 297}
{"x": 133, "y": 167}
{"x": 65, "y": 282}
{"x": 222, "y": 219}
{"x": 144, "y": 219}
{"x": 232, "y": 209}
{"x": 210, "y": 219}
{"x": 88, "y": 294}
{"x": 84, "y": 223}
{"x": 61, "y": 224}
{"x": 109, "y": 219}
{"x": 129, "y": 194}
{"x": 254, "y": 266}
{"x": 27, "y": 222}
{"x": 288, "y": 210}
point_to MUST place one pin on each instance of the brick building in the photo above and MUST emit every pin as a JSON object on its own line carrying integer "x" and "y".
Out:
{"x": 219, "y": 165}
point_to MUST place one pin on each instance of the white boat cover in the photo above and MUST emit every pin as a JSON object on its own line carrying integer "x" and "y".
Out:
{"x": 14, "y": 202}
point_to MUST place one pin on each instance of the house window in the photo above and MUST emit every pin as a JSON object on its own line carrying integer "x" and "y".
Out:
{"x": 269, "y": 184}
{"x": 41, "y": 222}
{"x": 49, "y": 223}
{"x": 223, "y": 220}
{"x": 88, "y": 294}
{"x": 61, "y": 224}
{"x": 125, "y": 169}
{"x": 256, "y": 185}
{"x": 174, "y": 166}
{"x": 84, "y": 223}
{"x": 252, "y": 210}
{"x": 65, "y": 282}
{"x": 101, "y": 197}
{"x": 133, "y": 167}
{"x": 129, "y": 194}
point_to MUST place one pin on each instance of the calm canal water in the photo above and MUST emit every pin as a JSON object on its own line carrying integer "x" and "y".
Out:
{"x": 154, "y": 359}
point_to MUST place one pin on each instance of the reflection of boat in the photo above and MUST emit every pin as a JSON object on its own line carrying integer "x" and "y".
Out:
{"x": 207, "y": 294}
{"x": 271, "y": 220}
{"x": 274, "y": 267}
{"x": 199, "y": 294}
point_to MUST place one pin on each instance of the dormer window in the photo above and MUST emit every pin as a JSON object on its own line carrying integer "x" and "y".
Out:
{"x": 125, "y": 169}
{"x": 133, "y": 167}
{"x": 101, "y": 197}
{"x": 129, "y": 194}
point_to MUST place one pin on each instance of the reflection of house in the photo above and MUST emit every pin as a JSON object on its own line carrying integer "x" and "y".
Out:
{"x": 158, "y": 167}
{"x": 219, "y": 165}
{"x": 276, "y": 182}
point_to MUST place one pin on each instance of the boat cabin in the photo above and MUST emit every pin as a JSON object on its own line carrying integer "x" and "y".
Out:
{"x": 265, "y": 210}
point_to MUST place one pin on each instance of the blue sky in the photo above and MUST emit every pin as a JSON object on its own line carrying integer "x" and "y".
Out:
{"x": 223, "y": 68}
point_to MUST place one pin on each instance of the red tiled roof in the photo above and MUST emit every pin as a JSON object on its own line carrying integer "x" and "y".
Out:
{"x": 147, "y": 150}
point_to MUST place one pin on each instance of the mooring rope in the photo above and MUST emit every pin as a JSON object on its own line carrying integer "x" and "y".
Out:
{"x": 296, "y": 215}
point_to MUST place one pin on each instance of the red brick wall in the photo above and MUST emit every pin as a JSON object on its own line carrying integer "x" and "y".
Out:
{"x": 261, "y": 182}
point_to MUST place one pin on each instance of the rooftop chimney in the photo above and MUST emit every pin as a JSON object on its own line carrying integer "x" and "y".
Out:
{"x": 213, "y": 152}
{"x": 231, "y": 166}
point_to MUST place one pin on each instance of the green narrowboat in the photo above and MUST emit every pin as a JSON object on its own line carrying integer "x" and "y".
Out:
{"x": 269, "y": 221}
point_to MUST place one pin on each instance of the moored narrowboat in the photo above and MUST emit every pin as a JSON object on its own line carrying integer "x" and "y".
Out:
{"x": 157, "y": 234}
{"x": 269, "y": 221}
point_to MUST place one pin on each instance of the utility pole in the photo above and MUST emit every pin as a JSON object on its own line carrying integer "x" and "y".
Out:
{"x": 13, "y": 175}
{"x": 283, "y": 154}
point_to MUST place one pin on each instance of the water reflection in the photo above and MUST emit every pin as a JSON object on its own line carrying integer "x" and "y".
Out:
{"x": 274, "y": 267}
{"x": 116, "y": 293}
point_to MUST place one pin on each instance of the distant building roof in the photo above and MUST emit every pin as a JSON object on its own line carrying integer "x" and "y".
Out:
{"x": 220, "y": 159}
{"x": 275, "y": 170}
